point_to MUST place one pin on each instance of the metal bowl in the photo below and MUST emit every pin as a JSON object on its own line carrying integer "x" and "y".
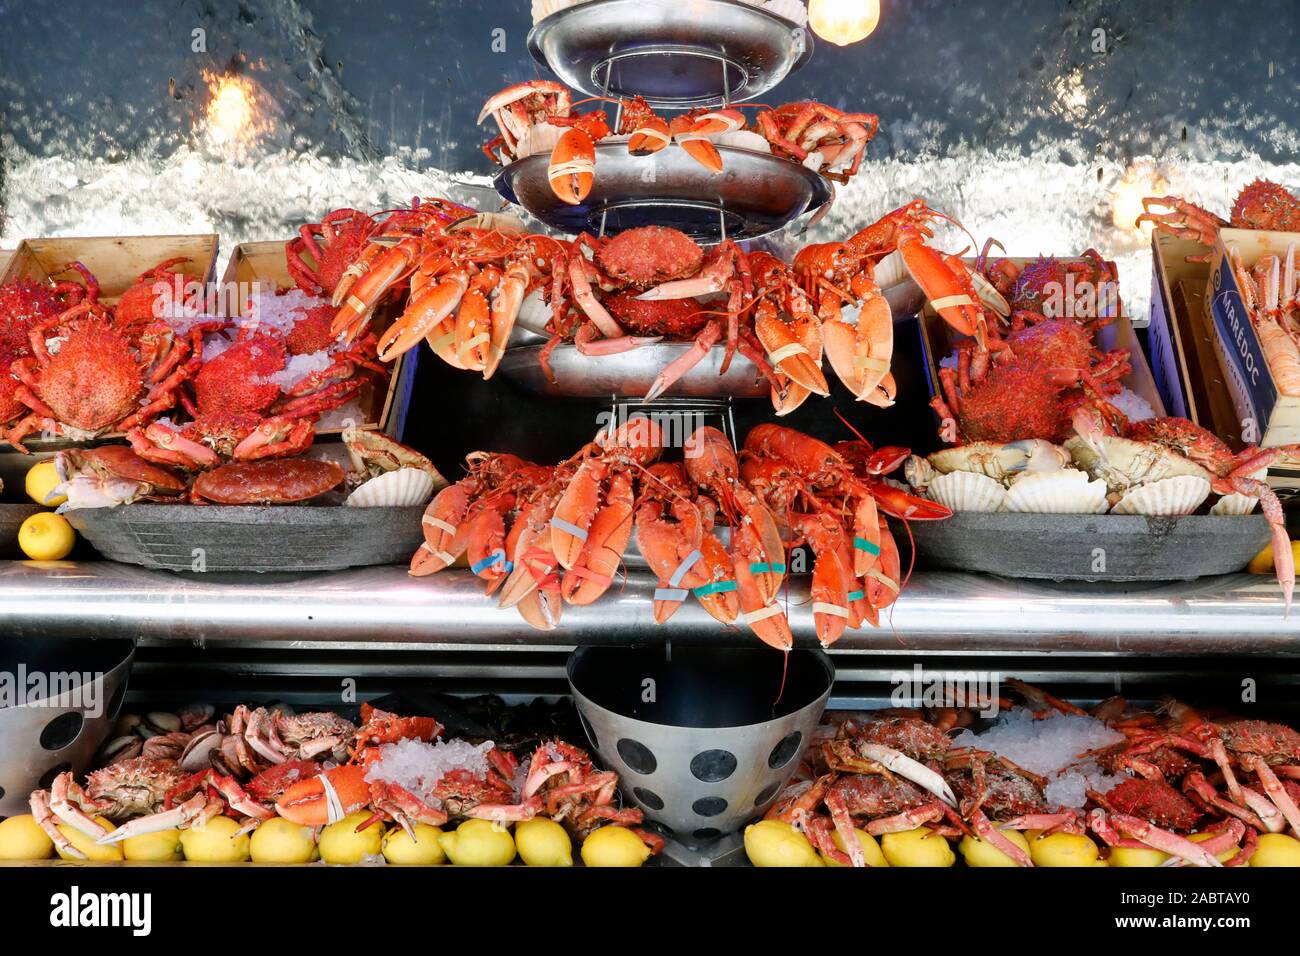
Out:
{"x": 1091, "y": 547}
{"x": 62, "y": 728}
{"x": 755, "y": 194}
{"x": 215, "y": 538}
{"x": 675, "y": 53}
{"x": 708, "y": 751}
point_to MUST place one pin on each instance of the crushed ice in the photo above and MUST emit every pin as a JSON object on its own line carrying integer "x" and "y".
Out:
{"x": 1052, "y": 747}
{"x": 417, "y": 766}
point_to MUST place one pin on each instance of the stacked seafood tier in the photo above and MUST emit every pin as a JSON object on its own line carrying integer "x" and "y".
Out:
{"x": 654, "y": 422}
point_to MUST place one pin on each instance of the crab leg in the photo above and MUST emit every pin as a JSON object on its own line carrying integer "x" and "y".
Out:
{"x": 45, "y": 819}
{"x": 1109, "y": 828}
{"x": 994, "y": 837}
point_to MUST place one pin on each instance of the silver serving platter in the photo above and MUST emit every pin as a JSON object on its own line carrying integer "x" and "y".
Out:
{"x": 755, "y": 194}
{"x": 675, "y": 53}
{"x": 630, "y": 374}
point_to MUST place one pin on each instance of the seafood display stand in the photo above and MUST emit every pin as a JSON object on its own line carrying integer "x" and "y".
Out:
{"x": 294, "y": 626}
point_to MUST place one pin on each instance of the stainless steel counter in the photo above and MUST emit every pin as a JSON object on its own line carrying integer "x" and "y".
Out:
{"x": 384, "y": 608}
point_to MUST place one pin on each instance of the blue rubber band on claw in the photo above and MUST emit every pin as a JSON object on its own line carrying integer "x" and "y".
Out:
{"x": 497, "y": 557}
{"x": 715, "y": 587}
{"x": 763, "y": 567}
{"x": 856, "y": 595}
{"x": 862, "y": 544}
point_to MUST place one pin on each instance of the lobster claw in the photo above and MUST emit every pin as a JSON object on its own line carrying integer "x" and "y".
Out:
{"x": 573, "y": 166}
{"x": 649, "y": 137}
{"x": 899, "y": 504}
{"x": 696, "y": 143}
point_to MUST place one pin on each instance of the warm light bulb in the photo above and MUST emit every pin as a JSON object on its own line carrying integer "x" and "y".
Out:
{"x": 230, "y": 110}
{"x": 843, "y": 21}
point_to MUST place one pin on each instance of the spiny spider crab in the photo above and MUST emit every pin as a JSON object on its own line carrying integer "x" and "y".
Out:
{"x": 87, "y": 375}
{"x": 151, "y": 297}
{"x": 241, "y": 412}
{"x": 1260, "y": 205}
{"x": 322, "y": 252}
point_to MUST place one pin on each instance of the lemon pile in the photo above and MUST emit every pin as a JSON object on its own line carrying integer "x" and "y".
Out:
{"x": 45, "y": 536}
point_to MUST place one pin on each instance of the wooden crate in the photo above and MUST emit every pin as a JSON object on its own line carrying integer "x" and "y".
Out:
{"x": 1266, "y": 417}
{"x": 939, "y": 339}
{"x": 115, "y": 261}
{"x": 263, "y": 263}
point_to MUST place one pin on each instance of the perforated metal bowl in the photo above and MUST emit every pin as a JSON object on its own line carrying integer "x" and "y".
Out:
{"x": 48, "y": 733}
{"x": 695, "y": 737}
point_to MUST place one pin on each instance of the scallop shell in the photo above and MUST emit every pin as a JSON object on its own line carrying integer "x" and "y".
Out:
{"x": 1234, "y": 505}
{"x": 1179, "y": 495}
{"x": 967, "y": 491}
{"x": 1067, "y": 491}
{"x": 393, "y": 489}
{"x": 890, "y": 270}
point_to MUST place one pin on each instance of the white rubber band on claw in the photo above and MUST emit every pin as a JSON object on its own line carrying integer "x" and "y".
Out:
{"x": 950, "y": 300}
{"x": 442, "y": 341}
{"x": 820, "y": 607}
{"x": 772, "y": 610}
{"x": 785, "y": 351}
{"x": 875, "y": 364}
{"x": 475, "y": 341}
{"x": 440, "y": 524}
{"x": 883, "y": 579}
{"x": 688, "y": 562}
{"x": 574, "y": 167}
{"x": 658, "y": 134}
{"x": 671, "y": 594}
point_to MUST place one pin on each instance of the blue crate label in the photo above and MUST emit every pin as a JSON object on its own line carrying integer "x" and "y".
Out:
{"x": 1253, "y": 392}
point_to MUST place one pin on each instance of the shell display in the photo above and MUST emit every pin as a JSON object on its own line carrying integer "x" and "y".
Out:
{"x": 1067, "y": 491}
{"x": 393, "y": 489}
{"x": 1179, "y": 495}
{"x": 1235, "y": 505}
{"x": 967, "y": 491}
{"x": 1001, "y": 461}
{"x": 743, "y": 139}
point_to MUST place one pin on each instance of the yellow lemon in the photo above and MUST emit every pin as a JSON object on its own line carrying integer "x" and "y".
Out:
{"x": 21, "y": 838}
{"x": 400, "y": 850}
{"x": 478, "y": 843}
{"x": 42, "y": 478}
{"x": 1262, "y": 563}
{"x": 278, "y": 840}
{"x": 46, "y": 536}
{"x": 1133, "y": 856}
{"x": 87, "y": 845}
{"x": 1063, "y": 849}
{"x": 1276, "y": 849}
{"x": 543, "y": 842}
{"x": 870, "y": 849}
{"x": 919, "y": 847}
{"x": 979, "y": 853}
{"x": 775, "y": 843}
{"x": 215, "y": 842}
{"x": 161, "y": 847}
{"x": 341, "y": 843}
{"x": 614, "y": 846}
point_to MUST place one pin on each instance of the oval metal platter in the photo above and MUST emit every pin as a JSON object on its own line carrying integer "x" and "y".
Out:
{"x": 675, "y": 53}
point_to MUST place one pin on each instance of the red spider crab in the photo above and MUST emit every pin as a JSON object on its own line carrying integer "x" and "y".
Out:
{"x": 323, "y": 251}
{"x": 1152, "y": 814}
{"x": 154, "y": 295}
{"x": 1260, "y": 205}
{"x": 240, "y": 412}
{"x": 831, "y": 141}
{"x": 135, "y": 376}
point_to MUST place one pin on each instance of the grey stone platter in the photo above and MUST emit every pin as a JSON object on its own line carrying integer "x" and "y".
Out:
{"x": 216, "y": 538}
{"x": 1091, "y": 547}
{"x": 12, "y": 517}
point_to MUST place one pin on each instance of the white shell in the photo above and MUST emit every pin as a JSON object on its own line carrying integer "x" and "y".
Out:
{"x": 1234, "y": 505}
{"x": 393, "y": 489}
{"x": 743, "y": 139}
{"x": 1067, "y": 491}
{"x": 1179, "y": 495}
{"x": 967, "y": 491}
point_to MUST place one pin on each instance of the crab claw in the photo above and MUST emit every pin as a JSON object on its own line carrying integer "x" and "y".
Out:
{"x": 910, "y": 769}
{"x": 573, "y": 166}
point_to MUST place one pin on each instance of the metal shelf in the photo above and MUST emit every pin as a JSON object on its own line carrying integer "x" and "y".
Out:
{"x": 383, "y": 608}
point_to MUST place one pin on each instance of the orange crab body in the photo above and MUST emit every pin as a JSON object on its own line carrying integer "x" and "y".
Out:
{"x": 95, "y": 352}
{"x": 322, "y": 252}
{"x": 152, "y": 296}
{"x": 649, "y": 255}
{"x": 1266, "y": 205}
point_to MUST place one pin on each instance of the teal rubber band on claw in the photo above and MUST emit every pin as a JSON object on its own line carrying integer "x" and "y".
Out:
{"x": 856, "y": 595}
{"x": 716, "y": 587}
{"x": 862, "y": 544}
{"x": 763, "y": 567}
